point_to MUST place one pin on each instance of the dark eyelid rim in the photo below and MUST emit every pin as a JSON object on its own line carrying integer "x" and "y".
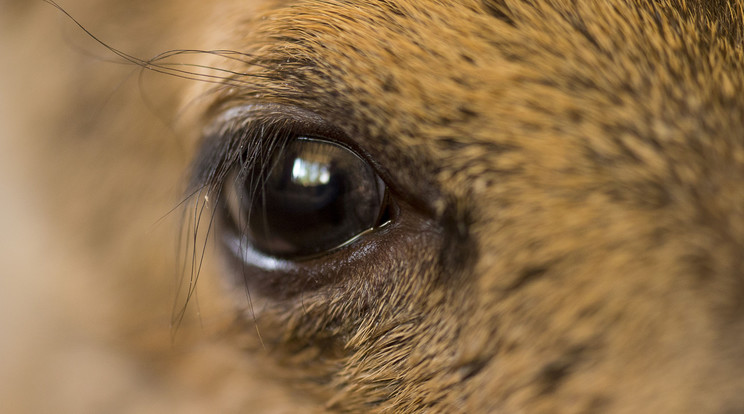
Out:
{"x": 240, "y": 122}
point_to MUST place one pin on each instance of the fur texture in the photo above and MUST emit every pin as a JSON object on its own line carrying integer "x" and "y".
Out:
{"x": 568, "y": 174}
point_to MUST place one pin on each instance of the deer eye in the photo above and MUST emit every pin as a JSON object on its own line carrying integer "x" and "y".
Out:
{"x": 313, "y": 196}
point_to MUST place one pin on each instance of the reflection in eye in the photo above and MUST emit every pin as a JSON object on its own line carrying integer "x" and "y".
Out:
{"x": 306, "y": 173}
{"x": 317, "y": 195}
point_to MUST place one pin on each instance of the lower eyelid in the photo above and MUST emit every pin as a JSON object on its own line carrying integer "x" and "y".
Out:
{"x": 243, "y": 250}
{"x": 399, "y": 241}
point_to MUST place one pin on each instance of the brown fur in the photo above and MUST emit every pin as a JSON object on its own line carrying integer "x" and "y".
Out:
{"x": 568, "y": 173}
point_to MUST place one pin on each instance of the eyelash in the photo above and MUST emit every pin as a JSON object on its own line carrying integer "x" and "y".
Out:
{"x": 256, "y": 130}
{"x": 236, "y": 146}
{"x": 223, "y": 148}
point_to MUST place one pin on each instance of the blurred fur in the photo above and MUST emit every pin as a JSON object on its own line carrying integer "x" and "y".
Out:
{"x": 575, "y": 166}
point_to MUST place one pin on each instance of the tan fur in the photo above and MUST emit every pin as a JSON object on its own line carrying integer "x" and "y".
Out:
{"x": 569, "y": 175}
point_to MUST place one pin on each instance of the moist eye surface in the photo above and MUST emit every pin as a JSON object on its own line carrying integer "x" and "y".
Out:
{"x": 314, "y": 196}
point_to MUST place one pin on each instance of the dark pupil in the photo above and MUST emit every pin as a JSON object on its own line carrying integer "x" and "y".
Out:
{"x": 317, "y": 196}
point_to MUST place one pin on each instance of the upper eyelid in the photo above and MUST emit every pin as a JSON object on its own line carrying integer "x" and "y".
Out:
{"x": 258, "y": 128}
{"x": 266, "y": 127}
{"x": 221, "y": 144}
{"x": 234, "y": 131}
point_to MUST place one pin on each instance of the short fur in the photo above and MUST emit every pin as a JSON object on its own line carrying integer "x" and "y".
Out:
{"x": 569, "y": 174}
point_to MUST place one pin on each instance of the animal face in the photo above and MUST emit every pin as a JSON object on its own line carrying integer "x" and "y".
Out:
{"x": 407, "y": 206}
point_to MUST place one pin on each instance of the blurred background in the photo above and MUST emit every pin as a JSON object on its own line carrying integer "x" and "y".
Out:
{"x": 91, "y": 166}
